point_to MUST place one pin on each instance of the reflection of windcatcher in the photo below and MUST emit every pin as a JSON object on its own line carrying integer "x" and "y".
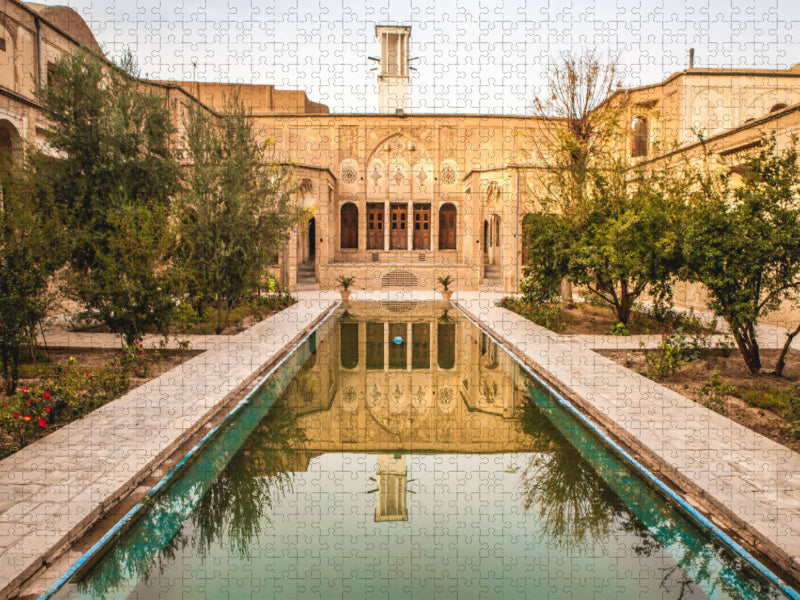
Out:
{"x": 390, "y": 502}
{"x": 393, "y": 77}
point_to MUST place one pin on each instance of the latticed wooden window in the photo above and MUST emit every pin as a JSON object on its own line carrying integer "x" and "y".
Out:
{"x": 375, "y": 214}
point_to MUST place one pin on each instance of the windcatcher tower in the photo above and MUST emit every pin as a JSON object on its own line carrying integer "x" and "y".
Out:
{"x": 393, "y": 72}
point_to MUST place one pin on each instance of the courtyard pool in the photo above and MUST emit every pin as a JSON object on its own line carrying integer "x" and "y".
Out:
{"x": 399, "y": 452}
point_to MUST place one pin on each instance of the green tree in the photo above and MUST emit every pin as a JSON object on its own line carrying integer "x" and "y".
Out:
{"x": 115, "y": 177}
{"x": 624, "y": 241}
{"x": 576, "y": 121}
{"x": 236, "y": 209}
{"x": 31, "y": 238}
{"x": 743, "y": 243}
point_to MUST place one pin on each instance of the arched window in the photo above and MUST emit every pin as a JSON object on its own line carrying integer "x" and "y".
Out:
{"x": 349, "y": 226}
{"x": 10, "y": 144}
{"x": 641, "y": 137}
{"x": 447, "y": 227}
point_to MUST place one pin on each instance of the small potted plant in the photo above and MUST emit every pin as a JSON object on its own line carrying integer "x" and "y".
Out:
{"x": 345, "y": 282}
{"x": 445, "y": 283}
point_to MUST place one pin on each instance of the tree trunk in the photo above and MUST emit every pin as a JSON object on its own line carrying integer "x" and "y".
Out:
{"x": 748, "y": 346}
{"x": 781, "y": 363}
{"x": 566, "y": 294}
{"x": 625, "y": 303}
{"x": 220, "y": 313}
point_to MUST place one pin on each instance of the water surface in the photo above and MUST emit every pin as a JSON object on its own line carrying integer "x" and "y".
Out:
{"x": 400, "y": 453}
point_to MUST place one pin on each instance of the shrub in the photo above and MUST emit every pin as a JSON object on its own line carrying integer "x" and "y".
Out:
{"x": 619, "y": 329}
{"x": 27, "y": 413}
{"x": 546, "y": 314}
{"x": 674, "y": 350}
{"x": 69, "y": 394}
{"x": 713, "y": 393}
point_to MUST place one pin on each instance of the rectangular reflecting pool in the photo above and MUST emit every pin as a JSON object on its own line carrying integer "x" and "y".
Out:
{"x": 398, "y": 453}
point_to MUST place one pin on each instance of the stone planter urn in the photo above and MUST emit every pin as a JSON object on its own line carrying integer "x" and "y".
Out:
{"x": 344, "y": 286}
{"x": 446, "y": 281}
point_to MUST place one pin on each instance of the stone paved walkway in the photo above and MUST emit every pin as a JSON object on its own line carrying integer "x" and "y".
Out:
{"x": 52, "y": 490}
{"x": 728, "y": 466}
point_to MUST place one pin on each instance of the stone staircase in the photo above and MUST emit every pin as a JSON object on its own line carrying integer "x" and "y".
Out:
{"x": 305, "y": 277}
{"x": 492, "y": 279}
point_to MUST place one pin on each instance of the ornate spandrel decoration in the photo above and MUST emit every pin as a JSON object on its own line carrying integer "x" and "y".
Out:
{"x": 348, "y": 141}
{"x": 422, "y": 179}
{"x": 447, "y": 142}
{"x": 492, "y": 192}
{"x": 376, "y": 176}
{"x": 399, "y": 176}
{"x": 448, "y": 174}
{"x": 349, "y": 171}
{"x": 401, "y": 158}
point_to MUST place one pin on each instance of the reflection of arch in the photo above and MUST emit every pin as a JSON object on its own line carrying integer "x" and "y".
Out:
{"x": 640, "y": 137}
{"x": 349, "y": 226}
{"x": 446, "y": 345}
{"x": 447, "y": 226}
{"x": 348, "y": 341}
{"x": 10, "y": 143}
{"x": 485, "y": 236}
{"x": 777, "y": 107}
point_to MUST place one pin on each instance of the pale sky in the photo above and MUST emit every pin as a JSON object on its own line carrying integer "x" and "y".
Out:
{"x": 474, "y": 57}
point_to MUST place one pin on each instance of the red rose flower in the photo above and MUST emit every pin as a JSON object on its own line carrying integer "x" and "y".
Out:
{"x": 42, "y": 422}
{"x": 46, "y": 396}
{"x": 15, "y": 415}
{"x": 47, "y": 409}
{"x": 24, "y": 389}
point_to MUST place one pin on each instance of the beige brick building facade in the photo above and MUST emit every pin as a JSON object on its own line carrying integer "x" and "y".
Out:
{"x": 398, "y": 199}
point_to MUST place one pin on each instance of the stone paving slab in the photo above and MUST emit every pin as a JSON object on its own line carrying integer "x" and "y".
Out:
{"x": 753, "y": 480}
{"x": 55, "y": 488}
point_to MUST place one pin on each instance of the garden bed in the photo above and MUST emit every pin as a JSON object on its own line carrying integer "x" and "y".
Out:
{"x": 585, "y": 318}
{"x": 189, "y": 322}
{"x": 765, "y": 403}
{"x": 66, "y": 384}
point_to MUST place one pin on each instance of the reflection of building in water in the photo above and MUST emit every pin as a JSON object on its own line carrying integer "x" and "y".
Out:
{"x": 392, "y": 480}
{"x": 410, "y": 376}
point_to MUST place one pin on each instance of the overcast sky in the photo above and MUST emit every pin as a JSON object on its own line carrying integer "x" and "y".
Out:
{"x": 487, "y": 57}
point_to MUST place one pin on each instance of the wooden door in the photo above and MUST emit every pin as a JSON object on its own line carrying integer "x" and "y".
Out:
{"x": 375, "y": 222}
{"x": 447, "y": 227}
{"x": 422, "y": 226}
{"x": 398, "y": 227}
{"x": 349, "y": 231}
